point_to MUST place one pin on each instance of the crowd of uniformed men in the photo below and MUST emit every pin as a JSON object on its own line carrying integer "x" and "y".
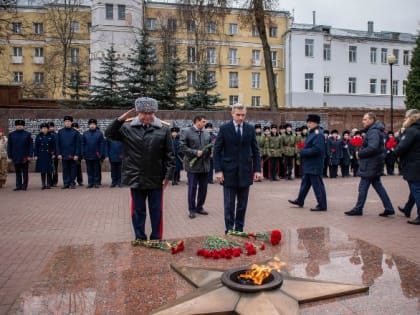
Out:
{"x": 280, "y": 147}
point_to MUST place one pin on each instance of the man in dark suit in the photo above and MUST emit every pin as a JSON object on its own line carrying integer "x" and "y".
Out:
{"x": 237, "y": 163}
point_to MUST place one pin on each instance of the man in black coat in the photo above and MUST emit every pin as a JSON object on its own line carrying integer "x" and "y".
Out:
{"x": 372, "y": 159}
{"x": 148, "y": 163}
{"x": 408, "y": 149}
{"x": 237, "y": 163}
{"x": 312, "y": 156}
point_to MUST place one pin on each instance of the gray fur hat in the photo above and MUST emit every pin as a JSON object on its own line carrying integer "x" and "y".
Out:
{"x": 146, "y": 105}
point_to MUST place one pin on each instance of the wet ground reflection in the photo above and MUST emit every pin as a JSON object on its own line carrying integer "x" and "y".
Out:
{"x": 118, "y": 278}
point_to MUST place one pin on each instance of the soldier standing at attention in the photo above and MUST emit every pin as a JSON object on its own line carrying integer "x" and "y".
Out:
{"x": 68, "y": 151}
{"x": 44, "y": 154}
{"x": 20, "y": 151}
{"x": 92, "y": 147}
{"x": 289, "y": 144}
{"x": 51, "y": 130}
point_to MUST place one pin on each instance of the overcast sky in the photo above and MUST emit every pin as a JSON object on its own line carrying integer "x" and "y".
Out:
{"x": 387, "y": 15}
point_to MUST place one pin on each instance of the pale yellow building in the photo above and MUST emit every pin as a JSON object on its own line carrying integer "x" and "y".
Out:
{"x": 34, "y": 39}
{"x": 231, "y": 47}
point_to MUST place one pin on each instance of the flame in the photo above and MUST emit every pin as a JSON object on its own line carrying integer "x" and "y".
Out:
{"x": 258, "y": 273}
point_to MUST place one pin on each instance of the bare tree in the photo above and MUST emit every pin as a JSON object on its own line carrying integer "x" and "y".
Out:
{"x": 62, "y": 17}
{"x": 258, "y": 15}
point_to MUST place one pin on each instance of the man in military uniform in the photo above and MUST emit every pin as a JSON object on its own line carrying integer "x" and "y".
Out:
{"x": 327, "y": 152}
{"x": 92, "y": 147}
{"x": 20, "y": 151}
{"x": 51, "y": 130}
{"x": 275, "y": 153}
{"x": 79, "y": 174}
{"x": 347, "y": 156}
{"x": 68, "y": 151}
{"x": 335, "y": 153}
{"x": 288, "y": 143}
{"x": 264, "y": 147}
{"x": 260, "y": 140}
{"x": 312, "y": 166}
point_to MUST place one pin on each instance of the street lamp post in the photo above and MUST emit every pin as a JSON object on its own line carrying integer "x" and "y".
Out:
{"x": 391, "y": 62}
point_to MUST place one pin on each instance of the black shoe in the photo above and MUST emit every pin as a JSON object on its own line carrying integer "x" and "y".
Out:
{"x": 65, "y": 187}
{"x": 296, "y": 203}
{"x": 353, "y": 213}
{"x": 113, "y": 185}
{"x": 406, "y": 213}
{"x": 318, "y": 209}
{"x": 191, "y": 215}
{"x": 416, "y": 221}
{"x": 174, "y": 183}
{"x": 80, "y": 184}
{"x": 44, "y": 187}
{"x": 16, "y": 189}
{"x": 386, "y": 213}
{"x": 211, "y": 182}
{"x": 203, "y": 212}
{"x": 72, "y": 186}
{"x": 89, "y": 186}
{"x": 120, "y": 185}
{"x": 96, "y": 186}
{"x": 48, "y": 187}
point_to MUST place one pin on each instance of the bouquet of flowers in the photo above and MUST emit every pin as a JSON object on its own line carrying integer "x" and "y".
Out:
{"x": 274, "y": 236}
{"x": 174, "y": 247}
{"x": 218, "y": 247}
{"x": 205, "y": 149}
{"x": 391, "y": 144}
{"x": 356, "y": 141}
{"x": 300, "y": 145}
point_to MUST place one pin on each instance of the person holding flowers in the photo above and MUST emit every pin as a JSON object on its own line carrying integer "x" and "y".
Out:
{"x": 195, "y": 143}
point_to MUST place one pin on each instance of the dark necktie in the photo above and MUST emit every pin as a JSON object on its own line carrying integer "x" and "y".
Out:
{"x": 238, "y": 131}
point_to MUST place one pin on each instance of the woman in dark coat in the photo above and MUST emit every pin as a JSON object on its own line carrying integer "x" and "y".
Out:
{"x": 44, "y": 154}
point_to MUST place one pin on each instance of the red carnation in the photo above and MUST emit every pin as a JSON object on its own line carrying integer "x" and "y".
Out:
{"x": 356, "y": 141}
{"x": 262, "y": 246}
{"x": 300, "y": 145}
{"x": 275, "y": 237}
{"x": 391, "y": 144}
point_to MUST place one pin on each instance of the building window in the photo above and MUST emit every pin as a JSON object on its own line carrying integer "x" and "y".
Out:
{"x": 172, "y": 24}
{"x": 396, "y": 53}
{"x": 74, "y": 79}
{"x": 74, "y": 55}
{"x": 172, "y": 51}
{"x": 373, "y": 51}
{"x": 256, "y": 57}
{"x": 233, "y": 79}
{"x": 38, "y": 52}
{"x": 191, "y": 54}
{"x": 309, "y": 81}
{"x": 233, "y": 56}
{"x": 274, "y": 59}
{"x": 254, "y": 31}
{"x": 384, "y": 84}
{"x": 17, "y": 51}
{"x": 233, "y": 99}
{"x": 233, "y": 29}
{"x": 352, "y": 53}
{"x": 404, "y": 87}
{"x": 38, "y": 28}
{"x": 191, "y": 78}
{"x": 256, "y": 80}
{"x": 212, "y": 76}
{"x": 109, "y": 11}
{"x": 384, "y": 56}
{"x": 372, "y": 84}
{"x": 273, "y": 31}
{"x": 327, "y": 52}
{"x": 191, "y": 27}
{"x": 74, "y": 27}
{"x": 255, "y": 101}
{"x": 17, "y": 28}
{"x": 309, "y": 47}
{"x": 151, "y": 24}
{"x": 121, "y": 12}
{"x": 327, "y": 83}
{"x": 89, "y": 27}
{"x": 38, "y": 77}
{"x": 395, "y": 87}
{"x": 18, "y": 77}
{"x": 352, "y": 85}
{"x": 211, "y": 55}
{"x": 406, "y": 58}
{"x": 211, "y": 28}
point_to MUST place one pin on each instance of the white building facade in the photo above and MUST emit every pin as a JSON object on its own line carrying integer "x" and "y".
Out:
{"x": 117, "y": 23}
{"x": 327, "y": 67}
